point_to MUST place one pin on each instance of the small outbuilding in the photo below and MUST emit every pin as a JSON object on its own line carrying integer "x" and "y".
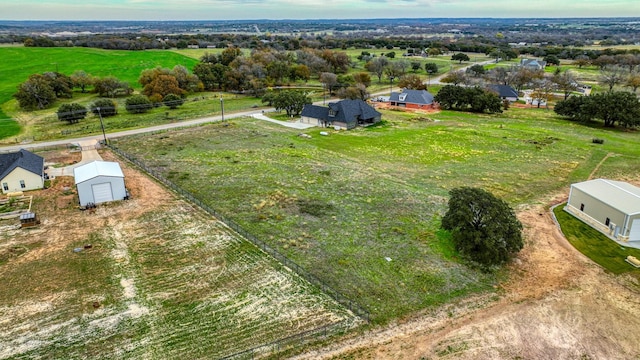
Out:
{"x": 610, "y": 206}
{"x": 98, "y": 182}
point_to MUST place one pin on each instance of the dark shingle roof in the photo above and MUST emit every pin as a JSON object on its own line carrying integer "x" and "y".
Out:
{"x": 346, "y": 111}
{"x": 22, "y": 159}
{"x": 315, "y": 111}
{"x": 422, "y": 97}
{"x": 504, "y": 90}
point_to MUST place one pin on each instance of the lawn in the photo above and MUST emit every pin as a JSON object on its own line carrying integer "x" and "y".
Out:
{"x": 595, "y": 245}
{"x": 361, "y": 209}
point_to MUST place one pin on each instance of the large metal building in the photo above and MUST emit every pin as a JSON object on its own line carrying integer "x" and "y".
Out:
{"x": 98, "y": 182}
{"x": 612, "y": 207}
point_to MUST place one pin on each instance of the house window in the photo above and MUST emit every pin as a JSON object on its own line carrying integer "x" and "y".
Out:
{"x": 606, "y": 222}
{"x": 22, "y": 184}
{"x": 5, "y": 186}
{"x": 581, "y": 207}
{"x": 332, "y": 113}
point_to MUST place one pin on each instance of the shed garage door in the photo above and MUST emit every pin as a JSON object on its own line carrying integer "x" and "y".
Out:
{"x": 634, "y": 235}
{"x": 102, "y": 192}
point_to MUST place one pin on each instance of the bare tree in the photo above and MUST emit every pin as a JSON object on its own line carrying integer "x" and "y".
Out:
{"x": 566, "y": 82}
{"x": 611, "y": 76}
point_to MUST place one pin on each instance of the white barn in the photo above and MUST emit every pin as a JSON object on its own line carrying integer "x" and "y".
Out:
{"x": 98, "y": 182}
{"x": 613, "y": 207}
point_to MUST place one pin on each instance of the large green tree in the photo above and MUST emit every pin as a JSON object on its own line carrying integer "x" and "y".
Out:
{"x": 290, "y": 101}
{"x": 615, "y": 107}
{"x": 483, "y": 227}
{"x": 451, "y": 97}
{"x": 460, "y": 57}
{"x": 35, "y": 93}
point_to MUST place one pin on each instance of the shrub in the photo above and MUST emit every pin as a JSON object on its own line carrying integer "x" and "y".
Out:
{"x": 138, "y": 104}
{"x": 107, "y": 107}
{"x": 71, "y": 113}
{"x": 173, "y": 101}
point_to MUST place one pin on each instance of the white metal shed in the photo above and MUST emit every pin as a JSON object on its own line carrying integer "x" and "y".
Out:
{"x": 612, "y": 206}
{"x": 99, "y": 181}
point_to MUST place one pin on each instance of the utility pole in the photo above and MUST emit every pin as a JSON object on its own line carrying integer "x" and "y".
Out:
{"x": 102, "y": 126}
{"x": 222, "y": 106}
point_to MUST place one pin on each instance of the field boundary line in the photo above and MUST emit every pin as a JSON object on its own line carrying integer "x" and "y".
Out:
{"x": 303, "y": 337}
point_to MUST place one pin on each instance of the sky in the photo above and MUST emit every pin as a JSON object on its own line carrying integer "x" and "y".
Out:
{"x": 308, "y": 9}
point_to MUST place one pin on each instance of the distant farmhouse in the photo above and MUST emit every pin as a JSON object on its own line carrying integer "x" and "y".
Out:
{"x": 533, "y": 64}
{"x": 612, "y": 207}
{"x": 21, "y": 171}
{"x": 412, "y": 99}
{"x": 505, "y": 92}
{"x": 344, "y": 114}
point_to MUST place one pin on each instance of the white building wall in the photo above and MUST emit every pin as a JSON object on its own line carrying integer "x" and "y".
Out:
{"x": 32, "y": 181}
{"x": 85, "y": 189}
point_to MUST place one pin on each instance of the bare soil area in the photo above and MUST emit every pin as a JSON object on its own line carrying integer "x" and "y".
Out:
{"x": 557, "y": 305}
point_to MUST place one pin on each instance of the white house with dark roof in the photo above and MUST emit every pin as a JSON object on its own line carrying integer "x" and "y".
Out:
{"x": 344, "y": 114}
{"x": 533, "y": 64}
{"x": 612, "y": 207}
{"x": 98, "y": 182}
{"x": 21, "y": 171}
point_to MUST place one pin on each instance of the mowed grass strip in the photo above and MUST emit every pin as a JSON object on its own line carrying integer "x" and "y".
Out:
{"x": 171, "y": 283}
{"x": 602, "y": 250}
{"x": 361, "y": 209}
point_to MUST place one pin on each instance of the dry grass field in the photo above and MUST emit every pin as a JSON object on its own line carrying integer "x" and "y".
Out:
{"x": 148, "y": 278}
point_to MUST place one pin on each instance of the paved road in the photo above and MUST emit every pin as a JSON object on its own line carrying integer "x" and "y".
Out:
{"x": 7, "y": 148}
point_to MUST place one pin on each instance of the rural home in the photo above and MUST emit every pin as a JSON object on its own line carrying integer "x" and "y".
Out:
{"x": 612, "y": 207}
{"x": 98, "y": 182}
{"x": 21, "y": 171}
{"x": 344, "y": 114}
{"x": 533, "y": 64}
{"x": 505, "y": 92}
{"x": 412, "y": 99}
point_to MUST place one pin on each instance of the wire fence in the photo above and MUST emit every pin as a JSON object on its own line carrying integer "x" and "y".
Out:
{"x": 298, "y": 339}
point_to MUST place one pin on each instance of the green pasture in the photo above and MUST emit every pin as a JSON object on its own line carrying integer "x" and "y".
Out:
{"x": 599, "y": 248}
{"x": 20, "y": 62}
{"x": 361, "y": 209}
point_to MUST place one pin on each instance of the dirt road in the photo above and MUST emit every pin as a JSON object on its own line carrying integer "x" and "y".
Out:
{"x": 557, "y": 305}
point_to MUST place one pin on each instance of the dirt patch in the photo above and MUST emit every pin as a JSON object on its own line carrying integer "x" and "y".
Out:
{"x": 61, "y": 157}
{"x": 557, "y": 305}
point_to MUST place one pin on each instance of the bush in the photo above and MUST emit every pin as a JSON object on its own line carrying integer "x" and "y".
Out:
{"x": 173, "y": 101}
{"x": 107, "y": 108}
{"x": 71, "y": 113}
{"x": 138, "y": 104}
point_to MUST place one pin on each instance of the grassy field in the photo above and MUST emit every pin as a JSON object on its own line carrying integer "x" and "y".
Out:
{"x": 361, "y": 209}
{"x": 20, "y": 62}
{"x": 160, "y": 280}
{"x": 595, "y": 245}
{"x": 17, "y": 126}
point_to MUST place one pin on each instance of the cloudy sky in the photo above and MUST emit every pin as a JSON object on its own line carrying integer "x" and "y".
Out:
{"x": 306, "y": 9}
